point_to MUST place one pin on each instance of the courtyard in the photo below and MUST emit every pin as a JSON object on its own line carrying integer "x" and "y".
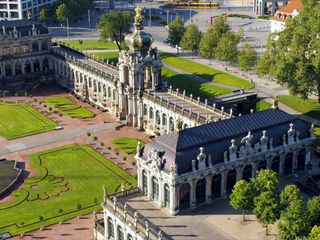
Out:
{"x": 20, "y": 120}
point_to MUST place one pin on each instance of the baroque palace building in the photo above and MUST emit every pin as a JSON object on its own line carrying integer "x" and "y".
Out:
{"x": 202, "y": 148}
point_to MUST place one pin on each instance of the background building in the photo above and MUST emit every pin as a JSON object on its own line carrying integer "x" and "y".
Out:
{"x": 18, "y": 9}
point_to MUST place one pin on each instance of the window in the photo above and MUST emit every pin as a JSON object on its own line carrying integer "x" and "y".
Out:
{"x": 155, "y": 188}
{"x": 166, "y": 196}
{"x": 110, "y": 228}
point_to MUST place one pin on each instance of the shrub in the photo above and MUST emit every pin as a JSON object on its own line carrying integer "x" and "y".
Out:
{"x": 101, "y": 144}
{"x": 16, "y": 94}
{"x": 109, "y": 148}
{"x": 117, "y": 153}
{"x": 60, "y": 114}
{"x": 45, "y": 105}
{"x": 55, "y": 111}
{"x": 50, "y": 108}
{"x": 88, "y": 134}
{"x": 95, "y": 138}
{"x": 124, "y": 158}
{"x": 133, "y": 163}
{"x": 40, "y": 218}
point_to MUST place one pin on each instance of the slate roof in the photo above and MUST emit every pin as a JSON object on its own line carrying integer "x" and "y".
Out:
{"x": 215, "y": 137}
{"x": 22, "y": 26}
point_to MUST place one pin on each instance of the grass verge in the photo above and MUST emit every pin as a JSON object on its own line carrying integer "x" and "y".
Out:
{"x": 128, "y": 145}
{"x": 90, "y": 44}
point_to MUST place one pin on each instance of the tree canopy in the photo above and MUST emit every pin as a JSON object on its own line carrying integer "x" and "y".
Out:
{"x": 62, "y": 13}
{"x": 176, "y": 31}
{"x": 114, "y": 26}
{"x": 226, "y": 49}
{"x": 293, "y": 54}
{"x": 43, "y": 14}
{"x": 315, "y": 233}
{"x": 247, "y": 58}
{"x": 313, "y": 208}
{"x": 191, "y": 38}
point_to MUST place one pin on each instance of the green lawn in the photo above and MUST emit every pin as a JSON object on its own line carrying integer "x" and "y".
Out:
{"x": 308, "y": 107}
{"x": 20, "y": 120}
{"x": 111, "y": 56}
{"x": 69, "y": 107}
{"x": 317, "y": 131}
{"x": 128, "y": 145}
{"x": 67, "y": 177}
{"x": 205, "y": 71}
{"x": 90, "y": 44}
{"x": 203, "y": 90}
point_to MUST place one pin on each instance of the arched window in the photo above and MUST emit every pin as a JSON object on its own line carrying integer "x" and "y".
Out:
{"x": 8, "y": 70}
{"x": 27, "y": 66}
{"x": 201, "y": 191}
{"x": 216, "y": 186}
{"x": 104, "y": 91}
{"x": 110, "y": 228}
{"x": 288, "y": 164}
{"x": 157, "y": 117}
{"x": 262, "y": 165}
{"x": 18, "y": 68}
{"x": 166, "y": 196}
{"x": 164, "y": 119}
{"x": 184, "y": 196}
{"x": 35, "y": 46}
{"x": 247, "y": 171}
{"x": 99, "y": 87}
{"x": 120, "y": 233}
{"x": 44, "y": 45}
{"x": 231, "y": 180}
{"x": 151, "y": 113}
{"x": 301, "y": 160}
{"x": 155, "y": 189}
{"x": 90, "y": 83}
{"x": 129, "y": 237}
{"x": 36, "y": 65}
{"x": 109, "y": 92}
{"x": 145, "y": 110}
{"x": 171, "y": 124}
{"x": 275, "y": 164}
{"x": 144, "y": 182}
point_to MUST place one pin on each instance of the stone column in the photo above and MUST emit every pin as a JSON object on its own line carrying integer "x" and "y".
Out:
{"x": 224, "y": 184}
{"x": 308, "y": 161}
{"x": 294, "y": 161}
{"x": 208, "y": 189}
{"x": 140, "y": 114}
{"x": 150, "y": 190}
{"x": 161, "y": 192}
{"x": 281, "y": 166}
{"x": 106, "y": 224}
{"x": 173, "y": 204}
{"x": 269, "y": 162}
{"x": 254, "y": 170}
{"x": 153, "y": 78}
{"x": 193, "y": 193}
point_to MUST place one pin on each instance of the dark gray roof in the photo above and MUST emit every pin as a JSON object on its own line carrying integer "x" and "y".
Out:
{"x": 215, "y": 137}
{"x": 22, "y": 26}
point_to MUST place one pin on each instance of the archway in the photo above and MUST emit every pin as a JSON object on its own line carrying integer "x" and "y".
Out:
{"x": 171, "y": 124}
{"x": 145, "y": 110}
{"x": 120, "y": 233}
{"x": 109, "y": 92}
{"x": 201, "y": 191}
{"x": 216, "y": 186}
{"x": 27, "y": 66}
{"x": 166, "y": 196}
{"x": 301, "y": 160}
{"x": 8, "y": 70}
{"x": 247, "y": 172}
{"x": 35, "y": 46}
{"x": 262, "y": 165}
{"x": 157, "y": 117}
{"x": 288, "y": 164}
{"x": 184, "y": 196}
{"x": 275, "y": 164}
{"x": 104, "y": 90}
{"x": 151, "y": 113}
{"x": 231, "y": 180}
{"x": 36, "y": 65}
{"x": 45, "y": 64}
{"x": 18, "y": 68}
{"x": 129, "y": 237}
{"x": 110, "y": 228}
{"x": 155, "y": 189}
{"x": 144, "y": 182}
{"x": 164, "y": 119}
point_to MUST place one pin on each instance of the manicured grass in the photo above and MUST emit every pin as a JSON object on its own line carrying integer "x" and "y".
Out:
{"x": 104, "y": 56}
{"x": 192, "y": 86}
{"x": 69, "y": 107}
{"x": 205, "y": 71}
{"x": 89, "y": 44}
{"x": 21, "y": 120}
{"x": 309, "y": 107}
{"x": 262, "y": 105}
{"x": 128, "y": 145}
{"x": 70, "y": 178}
{"x": 317, "y": 131}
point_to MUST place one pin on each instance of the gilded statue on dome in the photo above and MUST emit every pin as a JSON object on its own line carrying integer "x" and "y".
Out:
{"x": 138, "y": 17}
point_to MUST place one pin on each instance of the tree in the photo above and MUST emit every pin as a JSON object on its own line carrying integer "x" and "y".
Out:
{"x": 267, "y": 61}
{"x": 242, "y": 197}
{"x": 227, "y": 47}
{"x": 294, "y": 53}
{"x": 266, "y": 180}
{"x": 220, "y": 26}
{"x": 176, "y": 31}
{"x": 62, "y": 13}
{"x": 43, "y": 14}
{"x": 247, "y": 58}
{"x": 191, "y": 38}
{"x": 293, "y": 224}
{"x": 81, "y": 43}
{"x": 289, "y": 194}
{"x": 313, "y": 209}
{"x": 315, "y": 233}
{"x": 267, "y": 207}
{"x": 115, "y": 25}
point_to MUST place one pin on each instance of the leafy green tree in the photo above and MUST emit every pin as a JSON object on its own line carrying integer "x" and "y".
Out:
{"x": 226, "y": 49}
{"x": 289, "y": 194}
{"x": 43, "y": 15}
{"x": 191, "y": 38}
{"x": 267, "y": 208}
{"x": 115, "y": 25}
{"x": 247, "y": 58}
{"x": 315, "y": 233}
{"x": 294, "y": 53}
{"x": 266, "y": 180}
{"x": 242, "y": 197}
{"x": 267, "y": 60}
{"x": 62, "y": 13}
{"x": 220, "y": 26}
{"x": 293, "y": 224}
{"x": 176, "y": 31}
{"x": 313, "y": 209}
